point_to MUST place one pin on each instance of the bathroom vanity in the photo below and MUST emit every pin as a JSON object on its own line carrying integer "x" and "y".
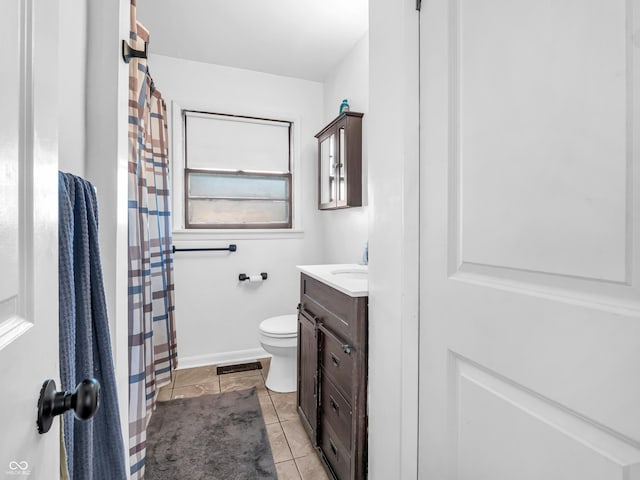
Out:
{"x": 332, "y": 365}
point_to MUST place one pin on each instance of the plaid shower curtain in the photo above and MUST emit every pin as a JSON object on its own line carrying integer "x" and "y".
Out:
{"x": 152, "y": 336}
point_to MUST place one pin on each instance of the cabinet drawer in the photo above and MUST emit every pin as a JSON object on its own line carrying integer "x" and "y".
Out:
{"x": 333, "y": 308}
{"x": 337, "y": 455}
{"x": 336, "y": 410}
{"x": 338, "y": 360}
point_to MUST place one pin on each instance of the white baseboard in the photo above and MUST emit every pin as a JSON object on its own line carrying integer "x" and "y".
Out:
{"x": 223, "y": 358}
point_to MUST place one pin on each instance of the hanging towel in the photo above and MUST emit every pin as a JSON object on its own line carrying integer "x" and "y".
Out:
{"x": 94, "y": 448}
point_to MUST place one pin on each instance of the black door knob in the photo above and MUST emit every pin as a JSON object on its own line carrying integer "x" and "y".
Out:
{"x": 84, "y": 401}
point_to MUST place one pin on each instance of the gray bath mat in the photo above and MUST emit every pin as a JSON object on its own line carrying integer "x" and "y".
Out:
{"x": 213, "y": 437}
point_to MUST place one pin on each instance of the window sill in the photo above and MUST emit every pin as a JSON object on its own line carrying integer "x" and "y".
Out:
{"x": 199, "y": 235}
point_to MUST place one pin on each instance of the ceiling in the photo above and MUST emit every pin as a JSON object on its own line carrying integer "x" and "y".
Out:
{"x": 296, "y": 38}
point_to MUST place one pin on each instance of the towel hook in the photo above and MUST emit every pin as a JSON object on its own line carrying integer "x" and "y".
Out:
{"x": 128, "y": 52}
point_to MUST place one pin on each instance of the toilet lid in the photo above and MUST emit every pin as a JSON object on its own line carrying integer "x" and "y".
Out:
{"x": 281, "y": 325}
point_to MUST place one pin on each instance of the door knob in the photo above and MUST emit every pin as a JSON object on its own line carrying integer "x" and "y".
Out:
{"x": 84, "y": 401}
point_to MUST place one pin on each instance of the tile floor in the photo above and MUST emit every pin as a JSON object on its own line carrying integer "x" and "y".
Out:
{"x": 293, "y": 454}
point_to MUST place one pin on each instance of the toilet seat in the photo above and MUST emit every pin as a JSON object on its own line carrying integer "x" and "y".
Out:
{"x": 283, "y": 326}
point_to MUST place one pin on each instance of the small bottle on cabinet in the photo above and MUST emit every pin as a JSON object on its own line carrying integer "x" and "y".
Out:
{"x": 344, "y": 106}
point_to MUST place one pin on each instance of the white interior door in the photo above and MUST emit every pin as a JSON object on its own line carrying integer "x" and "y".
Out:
{"x": 530, "y": 240}
{"x": 28, "y": 234}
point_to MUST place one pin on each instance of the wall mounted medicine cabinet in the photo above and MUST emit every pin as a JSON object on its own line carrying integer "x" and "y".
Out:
{"x": 340, "y": 162}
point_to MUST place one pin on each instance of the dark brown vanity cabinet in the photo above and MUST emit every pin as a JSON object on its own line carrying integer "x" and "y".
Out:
{"x": 340, "y": 162}
{"x": 332, "y": 376}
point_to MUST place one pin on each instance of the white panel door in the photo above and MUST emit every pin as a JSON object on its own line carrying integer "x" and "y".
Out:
{"x": 530, "y": 240}
{"x": 28, "y": 234}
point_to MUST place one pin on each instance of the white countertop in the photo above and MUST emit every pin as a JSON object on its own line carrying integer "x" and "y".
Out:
{"x": 348, "y": 278}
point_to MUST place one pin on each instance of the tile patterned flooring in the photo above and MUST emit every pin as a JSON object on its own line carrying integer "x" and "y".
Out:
{"x": 293, "y": 454}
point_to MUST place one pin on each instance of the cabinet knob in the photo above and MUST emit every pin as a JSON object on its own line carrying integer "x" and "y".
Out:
{"x": 346, "y": 348}
{"x": 334, "y": 405}
{"x": 334, "y": 449}
{"x": 335, "y": 361}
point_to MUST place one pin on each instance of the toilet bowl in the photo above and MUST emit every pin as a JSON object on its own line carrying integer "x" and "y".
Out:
{"x": 279, "y": 337}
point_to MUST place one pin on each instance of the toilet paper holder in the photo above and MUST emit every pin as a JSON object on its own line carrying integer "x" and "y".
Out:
{"x": 243, "y": 276}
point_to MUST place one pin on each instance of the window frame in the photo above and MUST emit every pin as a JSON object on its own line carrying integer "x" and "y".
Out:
{"x": 249, "y": 227}
{"x": 227, "y": 226}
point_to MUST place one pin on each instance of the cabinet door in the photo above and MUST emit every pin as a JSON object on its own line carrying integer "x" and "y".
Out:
{"x": 307, "y": 375}
{"x": 328, "y": 171}
{"x": 341, "y": 168}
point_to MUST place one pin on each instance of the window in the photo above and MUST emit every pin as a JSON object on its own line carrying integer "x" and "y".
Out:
{"x": 237, "y": 172}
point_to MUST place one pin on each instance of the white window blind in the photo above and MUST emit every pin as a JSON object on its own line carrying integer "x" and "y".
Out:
{"x": 223, "y": 142}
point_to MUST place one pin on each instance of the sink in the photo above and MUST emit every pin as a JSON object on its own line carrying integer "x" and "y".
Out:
{"x": 349, "y": 278}
{"x": 351, "y": 273}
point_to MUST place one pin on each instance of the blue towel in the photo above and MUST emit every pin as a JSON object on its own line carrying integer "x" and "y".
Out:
{"x": 94, "y": 448}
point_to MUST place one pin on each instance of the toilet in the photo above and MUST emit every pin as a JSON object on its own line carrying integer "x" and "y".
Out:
{"x": 279, "y": 337}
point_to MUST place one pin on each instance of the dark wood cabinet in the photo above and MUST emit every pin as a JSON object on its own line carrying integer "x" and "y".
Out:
{"x": 332, "y": 376}
{"x": 340, "y": 162}
{"x": 307, "y": 373}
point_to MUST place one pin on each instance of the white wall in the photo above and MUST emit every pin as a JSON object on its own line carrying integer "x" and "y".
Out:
{"x": 393, "y": 240}
{"x": 344, "y": 231}
{"x": 106, "y": 167}
{"x": 72, "y": 86}
{"x": 217, "y": 316}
